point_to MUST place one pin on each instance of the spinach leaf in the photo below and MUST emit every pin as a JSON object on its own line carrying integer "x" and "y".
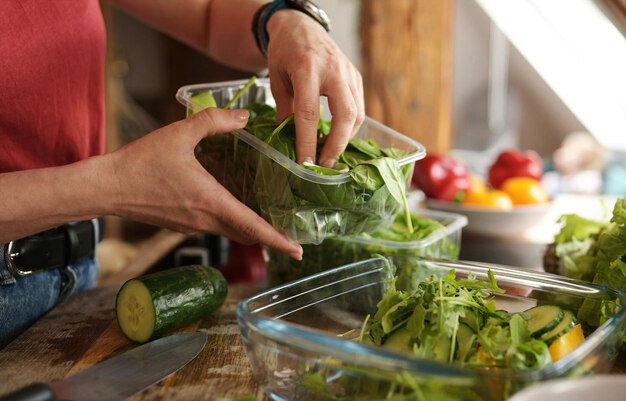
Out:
{"x": 366, "y": 146}
{"x": 388, "y": 170}
{"x": 352, "y": 158}
{"x": 367, "y": 176}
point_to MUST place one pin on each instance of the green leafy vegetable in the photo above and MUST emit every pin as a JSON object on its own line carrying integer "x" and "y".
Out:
{"x": 436, "y": 315}
{"x": 608, "y": 255}
{"x": 239, "y": 93}
{"x": 202, "y": 101}
{"x": 395, "y": 241}
{"x": 390, "y": 174}
{"x": 442, "y": 318}
{"x": 572, "y": 245}
{"x": 595, "y": 251}
{"x": 307, "y": 210}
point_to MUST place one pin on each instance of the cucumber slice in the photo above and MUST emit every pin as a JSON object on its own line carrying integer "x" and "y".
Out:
{"x": 542, "y": 319}
{"x": 149, "y": 306}
{"x": 568, "y": 322}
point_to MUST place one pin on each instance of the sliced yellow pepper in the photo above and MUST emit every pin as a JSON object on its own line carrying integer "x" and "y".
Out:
{"x": 566, "y": 343}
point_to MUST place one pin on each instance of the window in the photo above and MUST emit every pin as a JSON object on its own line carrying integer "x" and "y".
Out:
{"x": 580, "y": 53}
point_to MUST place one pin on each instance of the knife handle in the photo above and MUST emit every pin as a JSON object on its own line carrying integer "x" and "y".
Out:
{"x": 34, "y": 392}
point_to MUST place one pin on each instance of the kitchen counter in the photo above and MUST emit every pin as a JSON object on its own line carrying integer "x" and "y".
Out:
{"x": 83, "y": 331}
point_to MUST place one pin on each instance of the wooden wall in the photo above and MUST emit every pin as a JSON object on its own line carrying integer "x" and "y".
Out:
{"x": 407, "y": 48}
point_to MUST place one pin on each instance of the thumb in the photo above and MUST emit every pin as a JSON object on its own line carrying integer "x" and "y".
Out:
{"x": 212, "y": 120}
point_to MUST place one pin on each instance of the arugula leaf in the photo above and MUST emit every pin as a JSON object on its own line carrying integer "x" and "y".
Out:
{"x": 519, "y": 330}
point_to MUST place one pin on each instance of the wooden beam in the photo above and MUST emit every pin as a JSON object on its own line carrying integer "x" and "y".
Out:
{"x": 616, "y": 12}
{"x": 407, "y": 48}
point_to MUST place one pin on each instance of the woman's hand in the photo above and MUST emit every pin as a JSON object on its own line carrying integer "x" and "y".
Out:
{"x": 159, "y": 181}
{"x": 304, "y": 63}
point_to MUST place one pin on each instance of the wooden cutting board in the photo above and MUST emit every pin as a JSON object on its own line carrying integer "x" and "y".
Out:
{"x": 83, "y": 331}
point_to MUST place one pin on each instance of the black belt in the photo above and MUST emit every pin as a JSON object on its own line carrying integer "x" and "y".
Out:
{"x": 51, "y": 249}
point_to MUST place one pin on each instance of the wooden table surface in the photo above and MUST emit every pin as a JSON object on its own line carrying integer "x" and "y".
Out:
{"x": 83, "y": 331}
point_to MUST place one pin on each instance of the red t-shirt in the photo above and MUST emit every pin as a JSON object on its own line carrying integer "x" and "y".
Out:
{"x": 51, "y": 82}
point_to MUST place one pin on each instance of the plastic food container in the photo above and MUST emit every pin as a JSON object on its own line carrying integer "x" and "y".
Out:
{"x": 299, "y": 337}
{"x": 299, "y": 202}
{"x": 338, "y": 251}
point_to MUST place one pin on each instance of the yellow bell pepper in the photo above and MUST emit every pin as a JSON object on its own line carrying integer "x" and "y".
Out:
{"x": 524, "y": 191}
{"x": 566, "y": 343}
{"x": 490, "y": 199}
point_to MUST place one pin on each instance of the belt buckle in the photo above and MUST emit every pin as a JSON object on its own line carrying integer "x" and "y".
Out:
{"x": 9, "y": 259}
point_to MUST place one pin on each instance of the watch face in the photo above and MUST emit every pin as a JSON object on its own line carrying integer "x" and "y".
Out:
{"x": 311, "y": 9}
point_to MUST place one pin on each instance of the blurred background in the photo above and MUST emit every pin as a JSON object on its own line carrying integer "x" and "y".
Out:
{"x": 468, "y": 78}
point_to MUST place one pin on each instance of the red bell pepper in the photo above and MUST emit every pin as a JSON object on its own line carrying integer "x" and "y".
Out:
{"x": 441, "y": 177}
{"x": 513, "y": 163}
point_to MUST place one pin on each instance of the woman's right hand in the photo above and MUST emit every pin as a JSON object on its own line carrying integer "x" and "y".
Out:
{"x": 158, "y": 180}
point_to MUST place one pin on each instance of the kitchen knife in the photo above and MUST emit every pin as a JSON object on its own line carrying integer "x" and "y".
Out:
{"x": 121, "y": 376}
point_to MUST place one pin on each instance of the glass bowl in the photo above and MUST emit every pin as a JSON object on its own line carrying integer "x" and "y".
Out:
{"x": 299, "y": 337}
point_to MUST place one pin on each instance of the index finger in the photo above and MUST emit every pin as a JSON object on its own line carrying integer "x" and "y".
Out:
{"x": 306, "y": 117}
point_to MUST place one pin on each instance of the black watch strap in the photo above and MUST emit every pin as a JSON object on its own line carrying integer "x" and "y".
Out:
{"x": 265, "y": 12}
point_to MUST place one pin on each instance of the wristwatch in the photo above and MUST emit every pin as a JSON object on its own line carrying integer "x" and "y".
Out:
{"x": 265, "y": 12}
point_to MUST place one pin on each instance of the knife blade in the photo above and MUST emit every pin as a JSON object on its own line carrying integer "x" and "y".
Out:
{"x": 121, "y": 376}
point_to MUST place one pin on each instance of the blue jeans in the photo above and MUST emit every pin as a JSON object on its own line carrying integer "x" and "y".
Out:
{"x": 30, "y": 297}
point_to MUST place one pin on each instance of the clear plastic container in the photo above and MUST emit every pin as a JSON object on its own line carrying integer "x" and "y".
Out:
{"x": 297, "y": 201}
{"x": 338, "y": 251}
{"x": 300, "y": 337}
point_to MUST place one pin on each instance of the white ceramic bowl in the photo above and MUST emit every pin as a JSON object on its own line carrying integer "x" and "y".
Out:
{"x": 493, "y": 222}
{"x": 595, "y": 388}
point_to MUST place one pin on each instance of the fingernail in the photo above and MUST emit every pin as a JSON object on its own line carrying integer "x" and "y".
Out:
{"x": 308, "y": 160}
{"x": 330, "y": 163}
{"x": 297, "y": 254}
{"x": 240, "y": 114}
